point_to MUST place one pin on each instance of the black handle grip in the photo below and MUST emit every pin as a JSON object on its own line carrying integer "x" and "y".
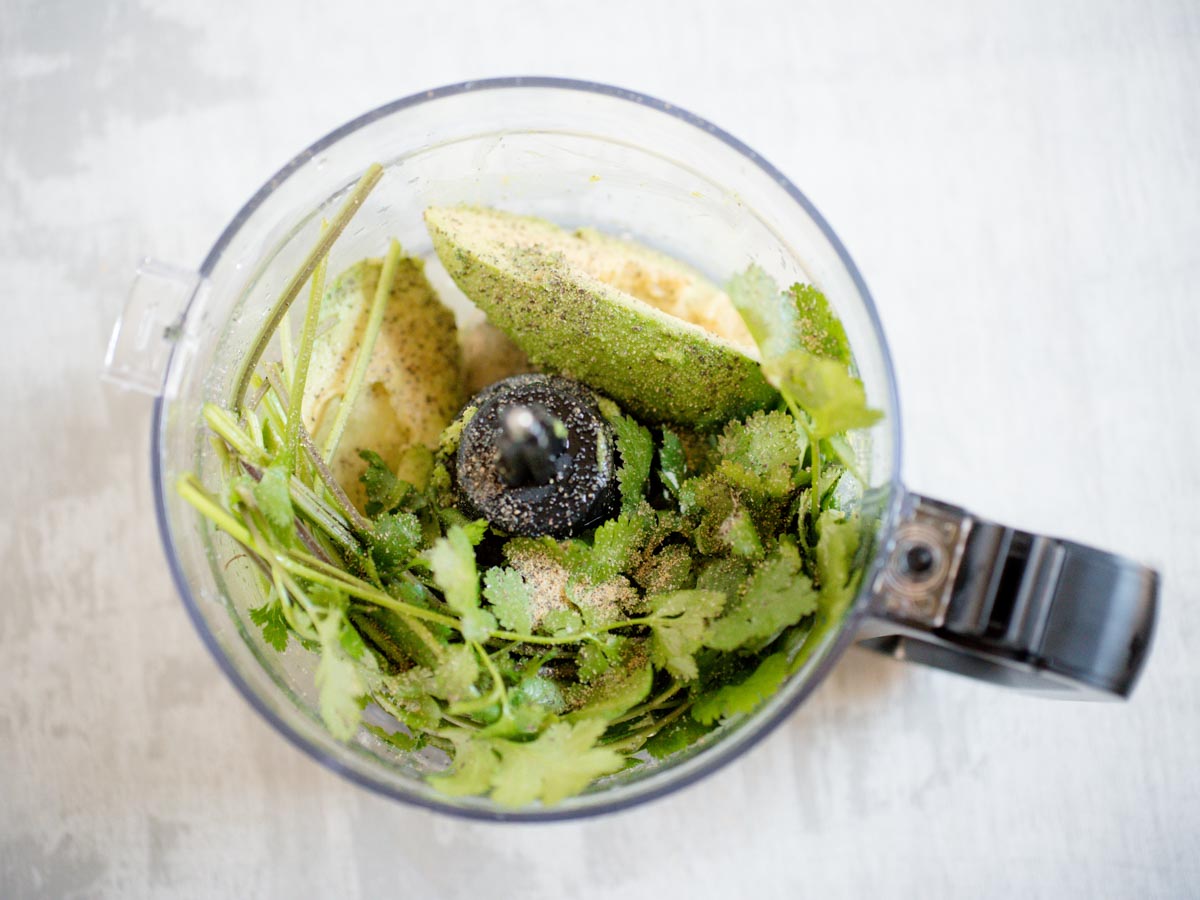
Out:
{"x": 1011, "y": 607}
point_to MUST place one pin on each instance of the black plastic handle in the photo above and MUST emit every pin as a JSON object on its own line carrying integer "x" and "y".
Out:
{"x": 1003, "y": 605}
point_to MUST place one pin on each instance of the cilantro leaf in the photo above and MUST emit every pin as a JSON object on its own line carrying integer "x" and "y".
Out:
{"x": 451, "y": 436}
{"x": 384, "y": 490}
{"x": 718, "y": 668}
{"x": 741, "y": 535}
{"x": 455, "y": 674}
{"x": 272, "y": 494}
{"x": 452, "y": 559}
{"x": 676, "y": 736}
{"x": 776, "y": 596}
{"x": 672, "y": 461}
{"x": 838, "y": 537}
{"x": 478, "y": 624}
{"x": 620, "y": 688}
{"x": 711, "y": 501}
{"x": 341, "y": 691}
{"x": 545, "y": 692}
{"x": 561, "y": 761}
{"x": 475, "y": 764}
{"x": 405, "y": 743}
{"x": 510, "y": 597}
{"x": 821, "y": 332}
{"x": 636, "y": 447}
{"x": 531, "y": 703}
{"x": 742, "y": 505}
{"x": 678, "y": 622}
{"x": 770, "y": 316}
{"x": 401, "y": 642}
{"x": 804, "y": 351}
{"x": 406, "y": 697}
{"x": 762, "y": 455}
{"x": 515, "y": 548}
{"x": 592, "y": 662}
{"x": 615, "y": 548}
{"x": 352, "y": 642}
{"x": 845, "y": 453}
{"x": 475, "y": 529}
{"x": 837, "y": 544}
{"x": 601, "y": 604}
{"x": 562, "y": 622}
{"x": 670, "y": 569}
{"x": 726, "y": 575}
{"x": 746, "y": 695}
{"x": 269, "y": 617}
{"x": 780, "y": 321}
{"x": 395, "y": 538}
{"x": 834, "y": 399}
{"x": 596, "y": 656}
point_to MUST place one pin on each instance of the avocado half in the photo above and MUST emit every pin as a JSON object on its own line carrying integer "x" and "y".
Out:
{"x": 566, "y": 300}
{"x": 412, "y": 387}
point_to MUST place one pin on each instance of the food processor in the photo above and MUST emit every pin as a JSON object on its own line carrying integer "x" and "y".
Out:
{"x": 940, "y": 585}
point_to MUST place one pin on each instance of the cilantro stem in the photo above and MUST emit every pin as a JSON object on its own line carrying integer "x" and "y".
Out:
{"x": 308, "y": 539}
{"x": 541, "y": 639}
{"x": 342, "y": 503}
{"x": 303, "y": 565}
{"x": 431, "y": 733}
{"x": 317, "y": 512}
{"x": 297, "y": 562}
{"x": 498, "y": 693}
{"x": 576, "y": 638}
{"x": 281, "y": 582}
{"x": 287, "y": 588}
{"x": 815, "y": 445}
{"x": 308, "y": 337}
{"x": 383, "y": 293}
{"x": 221, "y": 449}
{"x": 320, "y": 250}
{"x": 275, "y": 413}
{"x": 497, "y": 678}
{"x": 254, "y": 426}
{"x": 321, "y": 515}
{"x": 358, "y": 588}
{"x": 632, "y": 741}
{"x": 815, "y": 492}
{"x": 227, "y": 428}
{"x": 436, "y": 650}
{"x": 466, "y": 724}
{"x": 286, "y": 355}
{"x": 189, "y": 488}
{"x": 650, "y": 705}
{"x": 260, "y": 391}
{"x": 345, "y": 505}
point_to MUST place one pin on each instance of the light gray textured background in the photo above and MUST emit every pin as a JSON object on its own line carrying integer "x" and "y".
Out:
{"x": 1020, "y": 182}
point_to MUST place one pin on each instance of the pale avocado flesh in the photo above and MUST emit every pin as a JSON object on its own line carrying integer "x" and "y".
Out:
{"x": 519, "y": 271}
{"x": 412, "y": 386}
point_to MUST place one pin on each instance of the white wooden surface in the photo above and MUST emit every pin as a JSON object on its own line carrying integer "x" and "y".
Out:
{"x": 1019, "y": 181}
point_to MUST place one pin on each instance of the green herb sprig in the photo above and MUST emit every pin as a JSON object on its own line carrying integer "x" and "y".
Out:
{"x": 556, "y": 663}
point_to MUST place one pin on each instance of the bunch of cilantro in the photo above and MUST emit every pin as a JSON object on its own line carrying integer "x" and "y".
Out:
{"x": 732, "y": 556}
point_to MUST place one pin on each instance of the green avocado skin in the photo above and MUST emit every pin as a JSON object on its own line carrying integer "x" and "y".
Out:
{"x": 659, "y": 368}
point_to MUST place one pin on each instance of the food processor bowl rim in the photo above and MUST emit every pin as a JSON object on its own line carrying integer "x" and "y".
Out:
{"x": 708, "y": 761}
